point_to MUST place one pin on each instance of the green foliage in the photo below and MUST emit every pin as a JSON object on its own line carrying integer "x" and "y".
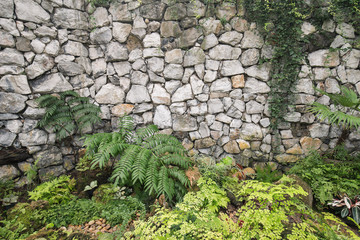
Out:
{"x": 328, "y": 180}
{"x": 91, "y": 186}
{"x": 99, "y": 3}
{"x": 55, "y": 191}
{"x": 13, "y": 230}
{"x": 32, "y": 173}
{"x": 6, "y": 188}
{"x": 107, "y": 192}
{"x": 155, "y": 161}
{"x": 266, "y": 174}
{"x": 346, "y": 11}
{"x": 195, "y": 218}
{"x": 349, "y": 207}
{"x": 347, "y": 99}
{"x": 67, "y": 113}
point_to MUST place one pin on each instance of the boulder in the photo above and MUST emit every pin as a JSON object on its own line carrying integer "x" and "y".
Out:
{"x": 29, "y": 10}
{"x": 12, "y": 102}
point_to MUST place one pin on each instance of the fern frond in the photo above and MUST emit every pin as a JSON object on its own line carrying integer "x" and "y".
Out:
{"x": 179, "y": 175}
{"x": 347, "y": 98}
{"x": 146, "y": 132}
{"x": 140, "y": 165}
{"x": 123, "y": 167}
{"x": 175, "y": 160}
{"x": 166, "y": 185}
{"x": 151, "y": 181}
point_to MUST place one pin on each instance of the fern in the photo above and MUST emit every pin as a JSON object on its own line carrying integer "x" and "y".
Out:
{"x": 155, "y": 161}
{"x": 67, "y": 113}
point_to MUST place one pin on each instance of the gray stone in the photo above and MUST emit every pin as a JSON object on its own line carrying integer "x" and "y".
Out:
{"x": 329, "y": 25}
{"x": 224, "y": 52}
{"x": 209, "y": 41}
{"x": 346, "y": 30}
{"x": 182, "y": 94}
{"x": 173, "y": 71}
{"x": 250, "y": 57}
{"x": 11, "y": 56}
{"x": 232, "y": 147}
{"x": 178, "y": 108}
{"x": 156, "y": 64}
{"x": 103, "y": 35}
{"x": 194, "y": 56}
{"x": 232, "y": 38}
{"x": 210, "y": 76}
{"x": 139, "y": 78}
{"x": 138, "y": 94}
{"x": 189, "y": 37}
{"x": 153, "y": 11}
{"x": 70, "y": 68}
{"x": 175, "y": 12}
{"x": 15, "y": 84}
{"x": 304, "y": 85}
{"x": 120, "y": 12}
{"x": 6, "y": 138}
{"x": 170, "y": 29}
{"x": 210, "y": 25}
{"x": 153, "y": 52}
{"x": 231, "y": 68}
{"x": 44, "y": 31}
{"x": 221, "y": 85}
{"x": 307, "y": 28}
{"x": 353, "y": 76}
{"x": 159, "y": 95}
{"x": 318, "y": 130}
{"x": 76, "y": 49}
{"x": 196, "y": 85}
{"x": 6, "y": 39}
{"x": 171, "y": 86}
{"x": 250, "y": 131}
{"x": 252, "y": 39}
{"x": 292, "y": 117}
{"x": 81, "y": 81}
{"x": 155, "y": 78}
{"x": 195, "y": 9}
{"x": 204, "y": 143}
{"x": 321, "y": 73}
{"x": 253, "y": 107}
{"x": 162, "y": 117}
{"x": 99, "y": 67}
{"x": 184, "y": 123}
{"x": 215, "y": 106}
{"x": 338, "y": 42}
{"x": 324, "y": 58}
{"x": 304, "y": 99}
{"x": 121, "y": 31}
{"x": 239, "y": 24}
{"x": 101, "y": 17}
{"x": 152, "y": 40}
{"x": 198, "y": 110}
{"x": 33, "y": 138}
{"x": 48, "y": 157}
{"x": 174, "y": 56}
{"x": 13, "y": 126}
{"x": 50, "y": 84}
{"x": 52, "y": 48}
{"x": 8, "y": 172}
{"x": 116, "y": 52}
{"x": 29, "y": 10}
{"x": 70, "y": 19}
{"x": 37, "y": 46}
{"x": 6, "y": 10}
{"x": 200, "y": 70}
{"x": 110, "y": 94}
{"x": 332, "y": 86}
{"x": 11, "y": 102}
{"x": 34, "y": 113}
{"x": 48, "y": 173}
{"x": 353, "y": 59}
{"x": 261, "y": 72}
{"x": 122, "y": 68}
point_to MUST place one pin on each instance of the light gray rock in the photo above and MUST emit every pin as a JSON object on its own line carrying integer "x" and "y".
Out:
{"x": 121, "y": 31}
{"x": 189, "y": 37}
{"x": 6, "y": 39}
{"x": 252, "y": 39}
{"x": 304, "y": 85}
{"x": 11, "y": 102}
{"x": 103, "y": 35}
{"x": 182, "y": 94}
{"x": 44, "y": 31}
{"x": 178, "y": 108}
{"x": 160, "y": 96}
{"x": 292, "y": 117}
{"x": 81, "y": 81}
{"x": 321, "y": 73}
{"x": 76, "y": 49}
{"x": 122, "y": 68}
{"x": 195, "y": 9}
{"x": 152, "y": 40}
{"x": 110, "y": 94}
{"x": 194, "y": 56}
{"x": 33, "y": 138}
{"x": 211, "y": 25}
{"x": 6, "y": 138}
{"x": 162, "y": 117}
{"x": 8, "y": 172}
{"x": 353, "y": 75}
{"x": 338, "y": 42}
{"x": 304, "y": 99}
{"x": 99, "y": 67}
{"x": 353, "y": 59}
{"x": 138, "y": 94}
{"x": 175, "y": 12}
{"x": 184, "y": 123}
{"x": 345, "y": 30}
{"x": 332, "y": 86}
{"x": 70, "y": 19}
{"x": 307, "y": 28}
{"x": 70, "y": 68}
{"x": 49, "y": 157}
{"x": 251, "y": 131}
{"x": 209, "y": 41}
{"x": 139, "y": 78}
{"x": 221, "y": 85}
{"x": 197, "y": 85}
{"x": 156, "y": 64}
{"x": 14, "y": 126}
{"x": 215, "y": 106}
{"x": 318, "y": 130}
{"x": 15, "y": 84}
{"x": 170, "y": 29}
{"x": 52, "y": 48}
{"x": 171, "y": 86}
{"x": 261, "y": 72}
{"x": 116, "y": 52}
{"x": 120, "y": 12}
{"x": 34, "y": 113}
{"x": 173, "y": 71}
{"x": 224, "y": 52}
{"x": 37, "y": 46}
{"x": 329, "y": 25}
{"x": 153, "y": 52}
{"x": 8, "y": 116}
{"x": 29, "y": 10}
{"x": 174, "y": 56}
{"x": 198, "y": 110}
{"x": 231, "y": 68}
{"x": 232, "y": 38}
{"x": 210, "y": 76}
{"x": 254, "y": 86}
{"x": 79, "y": 5}
{"x": 239, "y": 24}
{"x": 253, "y": 107}
{"x": 153, "y": 11}
{"x": 6, "y": 10}
{"x": 47, "y": 173}
{"x": 155, "y": 78}
{"x": 10, "y": 56}
{"x": 101, "y": 17}
{"x": 50, "y": 84}
{"x": 250, "y": 57}
{"x": 324, "y": 58}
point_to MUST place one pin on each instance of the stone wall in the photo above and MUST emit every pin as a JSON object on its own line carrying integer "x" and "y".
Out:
{"x": 167, "y": 63}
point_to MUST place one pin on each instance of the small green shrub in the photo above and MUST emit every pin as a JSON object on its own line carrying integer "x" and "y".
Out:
{"x": 328, "y": 180}
{"x": 266, "y": 174}
{"x": 55, "y": 191}
{"x": 107, "y": 192}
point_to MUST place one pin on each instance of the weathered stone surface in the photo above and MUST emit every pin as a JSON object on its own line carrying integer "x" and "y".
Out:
{"x": 170, "y": 29}
{"x": 33, "y": 138}
{"x": 286, "y": 158}
{"x": 120, "y": 12}
{"x": 70, "y": 18}
{"x": 196, "y": 9}
{"x": 261, "y": 72}
{"x": 49, "y": 157}
{"x": 103, "y": 35}
{"x": 175, "y": 12}
{"x": 160, "y": 95}
{"x": 11, "y": 56}
{"x": 6, "y": 138}
{"x": 116, "y": 52}
{"x": 23, "y": 44}
{"x": 250, "y": 57}
{"x": 215, "y": 106}
{"x": 29, "y": 10}
{"x": 8, "y": 172}
{"x": 122, "y": 110}
{"x": 121, "y": 31}
{"x": 209, "y": 41}
{"x": 184, "y": 123}
{"x": 252, "y": 39}
{"x": 76, "y": 49}
{"x": 11, "y": 102}
{"x": 34, "y": 113}
{"x": 110, "y": 94}
{"x": 156, "y": 64}
{"x": 51, "y": 83}
{"x": 250, "y": 131}
{"x": 292, "y": 117}
{"x": 162, "y": 117}
{"x": 6, "y": 10}
{"x": 210, "y": 25}
{"x": 232, "y": 147}
{"x": 224, "y": 52}
{"x": 324, "y": 58}
{"x": 197, "y": 85}
{"x": 204, "y": 143}
{"x": 232, "y": 38}
{"x": 307, "y": 28}
{"x": 153, "y": 11}
{"x": 238, "y": 81}
{"x": 47, "y": 173}
{"x": 81, "y": 81}
{"x": 318, "y": 130}
{"x": 221, "y": 85}
{"x": 231, "y": 68}
{"x": 182, "y": 94}
{"x": 52, "y": 48}
{"x": 15, "y": 84}
{"x": 70, "y": 68}
{"x": 239, "y": 24}
{"x": 152, "y": 40}
{"x": 346, "y": 30}
{"x": 138, "y": 94}
{"x": 309, "y": 144}
{"x": 45, "y": 31}
{"x": 253, "y": 107}
{"x": 194, "y": 56}
{"x": 139, "y": 78}
{"x": 188, "y": 37}
{"x": 37, "y": 46}
{"x": 174, "y": 56}
{"x": 254, "y": 86}
{"x": 6, "y": 39}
